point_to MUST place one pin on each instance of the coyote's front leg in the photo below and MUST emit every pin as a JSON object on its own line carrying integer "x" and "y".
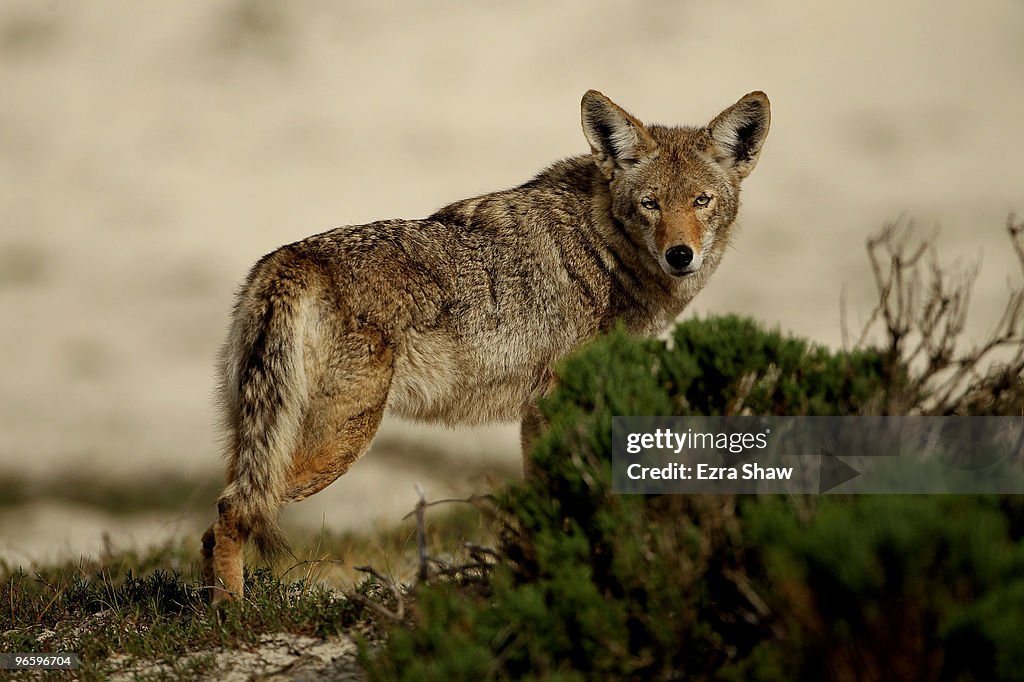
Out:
{"x": 529, "y": 432}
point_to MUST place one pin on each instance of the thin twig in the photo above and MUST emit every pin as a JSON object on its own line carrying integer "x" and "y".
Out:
{"x": 312, "y": 562}
{"x": 472, "y": 499}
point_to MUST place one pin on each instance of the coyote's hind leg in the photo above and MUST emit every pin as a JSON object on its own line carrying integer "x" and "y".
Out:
{"x": 343, "y": 415}
{"x": 319, "y": 461}
{"x": 340, "y": 417}
{"x": 227, "y": 553}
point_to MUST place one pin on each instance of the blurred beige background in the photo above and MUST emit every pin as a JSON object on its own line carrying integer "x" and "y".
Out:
{"x": 150, "y": 152}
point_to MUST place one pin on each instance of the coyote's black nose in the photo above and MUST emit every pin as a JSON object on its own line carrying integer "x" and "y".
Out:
{"x": 678, "y": 257}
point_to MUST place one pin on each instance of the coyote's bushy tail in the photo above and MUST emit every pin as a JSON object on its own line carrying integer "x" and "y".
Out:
{"x": 265, "y": 392}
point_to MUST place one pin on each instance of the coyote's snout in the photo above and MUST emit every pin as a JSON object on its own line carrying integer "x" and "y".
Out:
{"x": 460, "y": 317}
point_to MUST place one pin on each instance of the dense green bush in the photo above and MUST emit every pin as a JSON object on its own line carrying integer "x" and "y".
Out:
{"x": 598, "y": 585}
{"x": 717, "y": 362}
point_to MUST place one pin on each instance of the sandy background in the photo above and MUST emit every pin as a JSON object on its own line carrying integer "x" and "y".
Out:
{"x": 150, "y": 152}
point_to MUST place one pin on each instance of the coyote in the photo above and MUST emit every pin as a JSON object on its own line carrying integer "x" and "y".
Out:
{"x": 459, "y": 318}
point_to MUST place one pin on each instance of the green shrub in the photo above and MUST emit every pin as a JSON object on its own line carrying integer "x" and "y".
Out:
{"x": 715, "y": 361}
{"x": 598, "y": 585}
{"x": 892, "y": 587}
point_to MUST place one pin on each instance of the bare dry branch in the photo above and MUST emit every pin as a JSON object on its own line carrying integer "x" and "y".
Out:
{"x": 922, "y": 312}
{"x": 398, "y": 614}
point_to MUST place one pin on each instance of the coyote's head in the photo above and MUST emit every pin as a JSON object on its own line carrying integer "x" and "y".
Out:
{"x": 677, "y": 189}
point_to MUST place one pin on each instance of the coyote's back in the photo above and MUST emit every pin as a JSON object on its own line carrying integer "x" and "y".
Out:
{"x": 461, "y": 317}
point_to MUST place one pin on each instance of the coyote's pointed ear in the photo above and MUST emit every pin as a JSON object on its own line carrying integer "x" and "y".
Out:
{"x": 617, "y": 139}
{"x": 739, "y": 131}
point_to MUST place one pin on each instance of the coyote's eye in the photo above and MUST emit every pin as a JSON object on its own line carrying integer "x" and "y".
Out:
{"x": 702, "y": 199}
{"x": 650, "y": 203}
